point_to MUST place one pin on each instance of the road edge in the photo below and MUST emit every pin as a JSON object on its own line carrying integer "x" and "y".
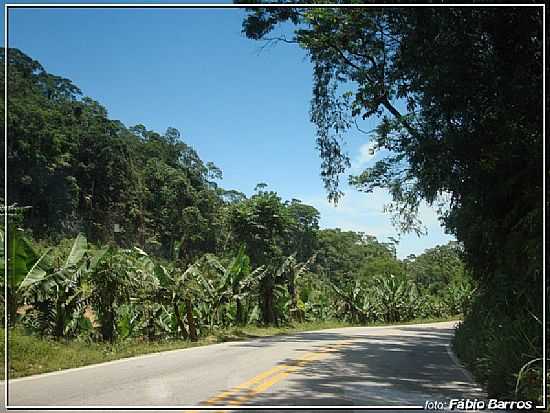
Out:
{"x": 160, "y": 353}
{"x": 463, "y": 369}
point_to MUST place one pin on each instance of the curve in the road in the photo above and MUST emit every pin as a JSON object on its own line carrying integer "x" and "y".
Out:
{"x": 356, "y": 366}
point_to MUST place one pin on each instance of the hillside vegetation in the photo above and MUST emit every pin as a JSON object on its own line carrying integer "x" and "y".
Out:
{"x": 120, "y": 234}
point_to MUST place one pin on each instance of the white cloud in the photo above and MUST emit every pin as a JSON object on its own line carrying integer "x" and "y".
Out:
{"x": 365, "y": 155}
{"x": 361, "y": 212}
{"x": 358, "y": 212}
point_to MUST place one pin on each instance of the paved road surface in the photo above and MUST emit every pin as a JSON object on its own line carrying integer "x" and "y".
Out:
{"x": 398, "y": 365}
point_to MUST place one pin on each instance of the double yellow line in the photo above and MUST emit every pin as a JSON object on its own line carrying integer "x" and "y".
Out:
{"x": 263, "y": 381}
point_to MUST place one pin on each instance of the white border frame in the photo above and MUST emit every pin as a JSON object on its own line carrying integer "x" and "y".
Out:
{"x": 7, "y": 6}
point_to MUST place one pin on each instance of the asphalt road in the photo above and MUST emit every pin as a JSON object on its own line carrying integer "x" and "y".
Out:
{"x": 357, "y": 366}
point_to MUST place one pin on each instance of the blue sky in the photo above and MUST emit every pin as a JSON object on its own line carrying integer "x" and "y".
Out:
{"x": 243, "y": 108}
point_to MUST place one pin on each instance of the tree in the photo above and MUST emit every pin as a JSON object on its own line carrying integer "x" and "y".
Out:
{"x": 262, "y": 223}
{"x": 293, "y": 270}
{"x": 342, "y": 254}
{"x": 111, "y": 285}
{"x": 436, "y": 268}
{"x": 66, "y": 158}
{"x": 458, "y": 95}
{"x": 173, "y": 174}
{"x": 83, "y": 172}
{"x": 303, "y": 236}
{"x": 58, "y": 287}
{"x": 462, "y": 128}
{"x": 236, "y": 281}
{"x": 179, "y": 287}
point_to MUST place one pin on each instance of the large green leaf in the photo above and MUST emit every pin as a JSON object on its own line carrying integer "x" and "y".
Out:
{"x": 35, "y": 274}
{"x": 80, "y": 246}
{"x": 163, "y": 276}
{"x": 97, "y": 257}
{"x": 239, "y": 268}
{"x": 21, "y": 256}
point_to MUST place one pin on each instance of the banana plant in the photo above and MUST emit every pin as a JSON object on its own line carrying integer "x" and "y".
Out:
{"x": 176, "y": 288}
{"x": 352, "y": 300}
{"x": 457, "y": 297}
{"x": 60, "y": 290}
{"x": 396, "y": 297}
{"x": 181, "y": 286}
{"x": 24, "y": 268}
{"x": 236, "y": 281}
{"x": 122, "y": 274}
{"x": 292, "y": 271}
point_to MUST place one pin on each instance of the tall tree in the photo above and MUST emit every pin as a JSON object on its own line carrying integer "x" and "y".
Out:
{"x": 458, "y": 95}
{"x": 303, "y": 234}
{"x": 262, "y": 223}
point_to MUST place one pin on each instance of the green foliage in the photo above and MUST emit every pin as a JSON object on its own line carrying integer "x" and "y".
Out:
{"x": 111, "y": 283}
{"x": 302, "y": 239}
{"x": 437, "y": 267}
{"x": 236, "y": 282}
{"x": 457, "y": 93}
{"x": 23, "y": 263}
{"x": 261, "y": 223}
{"x": 396, "y": 297}
{"x": 496, "y": 346}
{"x": 168, "y": 254}
{"x": 59, "y": 292}
{"x": 110, "y": 292}
{"x": 83, "y": 172}
{"x": 346, "y": 256}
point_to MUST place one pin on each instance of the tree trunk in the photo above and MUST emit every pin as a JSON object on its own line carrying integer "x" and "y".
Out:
{"x": 108, "y": 317}
{"x": 268, "y": 314}
{"x": 107, "y": 326}
{"x": 59, "y": 322}
{"x": 191, "y": 320}
{"x": 239, "y": 315}
{"x": 293, "y": 298}
{"x": 179, "y": 321}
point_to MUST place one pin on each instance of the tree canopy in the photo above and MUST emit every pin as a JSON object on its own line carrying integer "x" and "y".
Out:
{"x": 457, "y": 95}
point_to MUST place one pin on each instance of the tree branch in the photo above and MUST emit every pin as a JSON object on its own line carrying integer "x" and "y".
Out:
{"x": 280, "y": 39}
{"x": 349, "y": 62}
{"x": 362, "y": 130}
{"x": 387, "y": 104}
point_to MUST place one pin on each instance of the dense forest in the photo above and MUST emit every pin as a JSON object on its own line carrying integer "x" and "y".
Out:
{"x": 458, "y": 94}
{"x": 117, "y": 232}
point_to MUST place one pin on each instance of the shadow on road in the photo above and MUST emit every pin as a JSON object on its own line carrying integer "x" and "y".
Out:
{"x": 401, "y": 368}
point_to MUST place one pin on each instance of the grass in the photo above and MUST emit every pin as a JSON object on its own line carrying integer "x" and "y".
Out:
{"x": 32, "y": 355}
{"x": 495, "y": 346}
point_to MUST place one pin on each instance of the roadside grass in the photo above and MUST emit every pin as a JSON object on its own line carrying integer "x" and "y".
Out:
{"x": 31, "y": 355}
{"x": 496, "y": 347}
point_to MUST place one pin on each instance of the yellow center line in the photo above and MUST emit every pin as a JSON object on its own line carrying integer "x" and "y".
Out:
{"x": 276, "y": 378}
{"x": 256, "y": 379}
{"x": 272, "y": 376}
{"x": 246, "y": 384}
